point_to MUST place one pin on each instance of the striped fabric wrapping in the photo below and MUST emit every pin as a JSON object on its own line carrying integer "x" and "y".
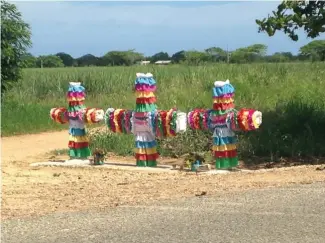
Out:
{"x": 198, "y": 119}
{"x": 165, "y": 123}
{"x": 77, "y": 115}
{"x": 224, "y": 139}
{"x": 78, "y": 141}
{"x": 143, "y": 121}
{"x": 146, "y": 149}
{"x": 59, "y": 115}
{"x": 119, "y": 120}
{"x": 93, "y": 115}
{"x": 223, "y": 120}
{"x": 245, "y": 119}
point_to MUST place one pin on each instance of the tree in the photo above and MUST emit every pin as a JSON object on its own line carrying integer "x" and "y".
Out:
{"x": 49, "y": 61}
{"x": 314, "y": 50}
{"x": 196, "y": 57}
{"x": 119, "y": 58}
{"x": 178, "y": 57}
{"x": 280, "y": 57}
{"x": 29, "y": 61}
{"x": 249, "y": 54}
{"x": 87, "y": 60}
{"x": 15, "y": 39}
{"x": 160, "y": 56}
{"x": 309, "y": 15}
{"x": 67, "y": 60}
{"x": 217, "y": 54}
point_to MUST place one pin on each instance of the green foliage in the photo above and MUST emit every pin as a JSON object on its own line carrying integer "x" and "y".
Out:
{"x": 15, "y": 39}
{"x": 29, "y": 61}
{"x": 280, "y": 57}
{"x": 50, "y": 61}
{"x": 293, "y": 15}
{"x": 217, "y": 54}
{"x": 287, "y": 94}
{"x": 121, "y": 58}
{"x": 87, "y": 61}
{"x": 314, "y": 50}
{"x": 67, "y": 60}
{"x": 178, "y": 57}
{"x": 196, "y": 57}
{"x": 249, "y": 54}
{"x": 160, "y": 56}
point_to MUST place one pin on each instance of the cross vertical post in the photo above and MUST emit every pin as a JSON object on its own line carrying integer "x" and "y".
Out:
{"x": 77, "y": 115}
{"x": 223, "y": 120}
{"x": 145, "y": 122}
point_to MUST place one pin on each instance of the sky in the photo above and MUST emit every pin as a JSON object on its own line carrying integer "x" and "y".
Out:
{"x": 79, "y": 28}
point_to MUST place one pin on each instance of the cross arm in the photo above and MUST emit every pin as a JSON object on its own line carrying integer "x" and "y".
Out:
{"x": 59, "y": 115}
{"x": 169, "y": 123}
{"x": 198, "y": 119}
{"x": 93, "y": 115}
{"x": 245, "y": 119}
{"x": 119, "y": 120}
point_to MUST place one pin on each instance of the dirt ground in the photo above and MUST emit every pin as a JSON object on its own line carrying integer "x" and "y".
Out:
{"x": 29, "y": 191}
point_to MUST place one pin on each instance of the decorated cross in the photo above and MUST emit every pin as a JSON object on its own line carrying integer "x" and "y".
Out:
{"x": 77, "y": 115}
{"x": 146, "y": 122}
{"x": 224, "y": 120}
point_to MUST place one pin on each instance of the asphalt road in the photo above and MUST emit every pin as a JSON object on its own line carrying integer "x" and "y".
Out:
{"x": 295, "y": 214}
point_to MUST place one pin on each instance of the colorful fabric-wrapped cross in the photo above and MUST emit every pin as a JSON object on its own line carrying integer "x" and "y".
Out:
{"x": 224, "y": 120}
{"x": 146, "y": 122}
{"x": 77, "y": 115}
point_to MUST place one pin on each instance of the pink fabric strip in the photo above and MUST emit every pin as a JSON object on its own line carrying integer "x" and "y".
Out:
{"x": 76, "y": 94}
{"x": 229, "y": 95}
{"x": 127, "y": 121}
{"x": 141, "y": 122}
{"x": 250, "y": 120}
{"x": 140, "y": 114}
{"x": 218, "y": 118}
{"x": 145, "y": 87}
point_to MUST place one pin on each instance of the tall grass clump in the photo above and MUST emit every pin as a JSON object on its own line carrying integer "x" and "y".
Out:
{"x": 291, "y": 97}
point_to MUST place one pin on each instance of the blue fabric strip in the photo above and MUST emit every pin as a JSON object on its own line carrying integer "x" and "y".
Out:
{"x": 73, "y": 88}
{"x": 77, "y": 132}
{"x": 144, "y": 80}
{"x": 226, "y": 89}
{"x": 224, "y": 140}
{"x": 139, "y": 144}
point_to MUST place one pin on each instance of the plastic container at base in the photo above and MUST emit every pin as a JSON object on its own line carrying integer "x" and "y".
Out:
{"x": 196, "y": 165}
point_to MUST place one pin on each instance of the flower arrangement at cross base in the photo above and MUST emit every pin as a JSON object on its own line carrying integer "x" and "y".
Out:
{"x": 193, "y": 161}
{"x": 99, "y": 156}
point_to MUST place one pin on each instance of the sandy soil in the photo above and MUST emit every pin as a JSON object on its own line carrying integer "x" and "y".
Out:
{"x": 28, "y": 191}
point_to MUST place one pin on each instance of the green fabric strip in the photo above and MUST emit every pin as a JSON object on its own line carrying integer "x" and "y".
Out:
{"x": 173, "y": 121}
{"x": 107, "y": 116}
{"x": 221, "y": 112}
{"x": 145, "y": 107}
{"x": 160, "y": 125}
{"x": 226, "y": 163}
{"x": 80, "y": 153}
{"x": 144, "y": 163}
{"x": 76, "y": 108}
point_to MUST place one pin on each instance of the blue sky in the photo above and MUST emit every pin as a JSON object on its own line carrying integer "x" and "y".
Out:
{"x": 80, "y": 28}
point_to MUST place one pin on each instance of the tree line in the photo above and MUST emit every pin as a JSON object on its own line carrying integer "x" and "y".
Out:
{"x": 313, "y": 51}
{"x": 288, "y": 18}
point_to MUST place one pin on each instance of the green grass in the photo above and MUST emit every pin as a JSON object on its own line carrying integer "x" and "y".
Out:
{"x": 291, "y": 97}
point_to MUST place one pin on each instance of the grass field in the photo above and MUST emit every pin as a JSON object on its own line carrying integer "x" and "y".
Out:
{"x": 291, "y": 97}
